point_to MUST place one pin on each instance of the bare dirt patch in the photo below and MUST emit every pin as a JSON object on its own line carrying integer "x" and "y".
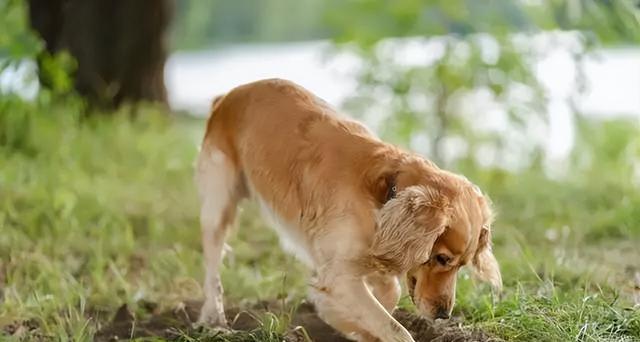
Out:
{"x": 177, "y": 323}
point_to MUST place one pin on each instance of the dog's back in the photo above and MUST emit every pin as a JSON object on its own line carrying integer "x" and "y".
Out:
{"x": 289, "y": 145}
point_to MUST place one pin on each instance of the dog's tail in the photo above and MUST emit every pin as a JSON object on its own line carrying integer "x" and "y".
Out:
{"x": 216, "y": 103}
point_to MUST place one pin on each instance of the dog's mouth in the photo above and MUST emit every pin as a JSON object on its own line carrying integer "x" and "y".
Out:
{"x": 426, "y": 310}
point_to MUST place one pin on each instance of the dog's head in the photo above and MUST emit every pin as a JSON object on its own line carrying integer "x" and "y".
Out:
{"x": 430, "y": 231}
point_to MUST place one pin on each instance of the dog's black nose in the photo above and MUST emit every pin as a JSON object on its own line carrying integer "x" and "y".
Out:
{"x": 442, "y": 313}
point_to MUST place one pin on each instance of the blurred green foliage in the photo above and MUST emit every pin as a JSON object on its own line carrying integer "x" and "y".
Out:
{"x": 201, "y": 24}
{"x": 16, "y": 39}
{"x": 611, "y": 22}
{"x": 481, "y": 49}
{"x": 367, "y": 21}
{"x": 20, "y": 46}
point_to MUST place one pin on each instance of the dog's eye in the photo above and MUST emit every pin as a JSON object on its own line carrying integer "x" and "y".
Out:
{"x": 442, "y": 259}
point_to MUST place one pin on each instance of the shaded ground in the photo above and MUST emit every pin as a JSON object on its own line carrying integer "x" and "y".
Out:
{"x": 176, "y": 324}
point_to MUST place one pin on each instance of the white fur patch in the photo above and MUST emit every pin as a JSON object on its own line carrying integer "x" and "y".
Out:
{"x": 215, "y": 180}
{"x": 290, "y": 240}
{"x": 217, "y": 156}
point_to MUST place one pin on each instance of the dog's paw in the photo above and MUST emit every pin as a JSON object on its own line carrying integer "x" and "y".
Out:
{"x": 400, "y": 334}
{"x": 211, "y": 316}
{"x": 213, "y": 330}
{"x": 212, "y": 321}
{"x": 212, "y": 325}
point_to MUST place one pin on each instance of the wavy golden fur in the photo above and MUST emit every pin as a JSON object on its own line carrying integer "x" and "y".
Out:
{"x": 359, "y": 212}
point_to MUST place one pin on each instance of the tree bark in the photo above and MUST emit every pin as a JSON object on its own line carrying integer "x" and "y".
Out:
{"x": 119, "y": 45}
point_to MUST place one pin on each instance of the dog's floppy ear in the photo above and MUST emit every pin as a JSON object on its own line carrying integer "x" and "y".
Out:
{"x": 485, "y": 264}
{"x": 408, "y": 226}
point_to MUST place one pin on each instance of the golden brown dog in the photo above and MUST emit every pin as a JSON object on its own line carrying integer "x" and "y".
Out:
{"x": 361, "y": 213}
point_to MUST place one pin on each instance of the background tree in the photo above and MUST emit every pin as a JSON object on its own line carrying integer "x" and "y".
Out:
{"x": 119, "y": 46}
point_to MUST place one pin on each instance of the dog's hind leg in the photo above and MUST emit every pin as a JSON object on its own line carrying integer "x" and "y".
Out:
{"x": 218, "y": 185}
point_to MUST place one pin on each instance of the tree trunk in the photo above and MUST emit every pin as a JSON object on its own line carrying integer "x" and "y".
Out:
{"x": 119, "y": 45}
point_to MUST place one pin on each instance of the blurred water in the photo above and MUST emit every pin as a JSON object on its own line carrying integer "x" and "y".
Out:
{"x": 194, "y": 78}
{"x": 612, "y": 78}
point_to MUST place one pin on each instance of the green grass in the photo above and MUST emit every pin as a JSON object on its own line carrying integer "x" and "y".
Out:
{"x": 99, "y": 212}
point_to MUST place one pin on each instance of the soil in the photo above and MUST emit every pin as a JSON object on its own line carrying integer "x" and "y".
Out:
{"x": 175, "y": 323}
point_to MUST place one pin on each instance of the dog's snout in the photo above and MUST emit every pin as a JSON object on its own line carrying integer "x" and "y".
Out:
{"x": 442, "y": 313}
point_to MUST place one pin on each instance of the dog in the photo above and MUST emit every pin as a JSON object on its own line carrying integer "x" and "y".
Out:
{"x": 359, "y": 212}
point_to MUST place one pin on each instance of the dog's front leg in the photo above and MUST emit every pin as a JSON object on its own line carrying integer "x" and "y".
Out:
{"x": 344, "y": 301}
{"x": 386, "y": 289}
